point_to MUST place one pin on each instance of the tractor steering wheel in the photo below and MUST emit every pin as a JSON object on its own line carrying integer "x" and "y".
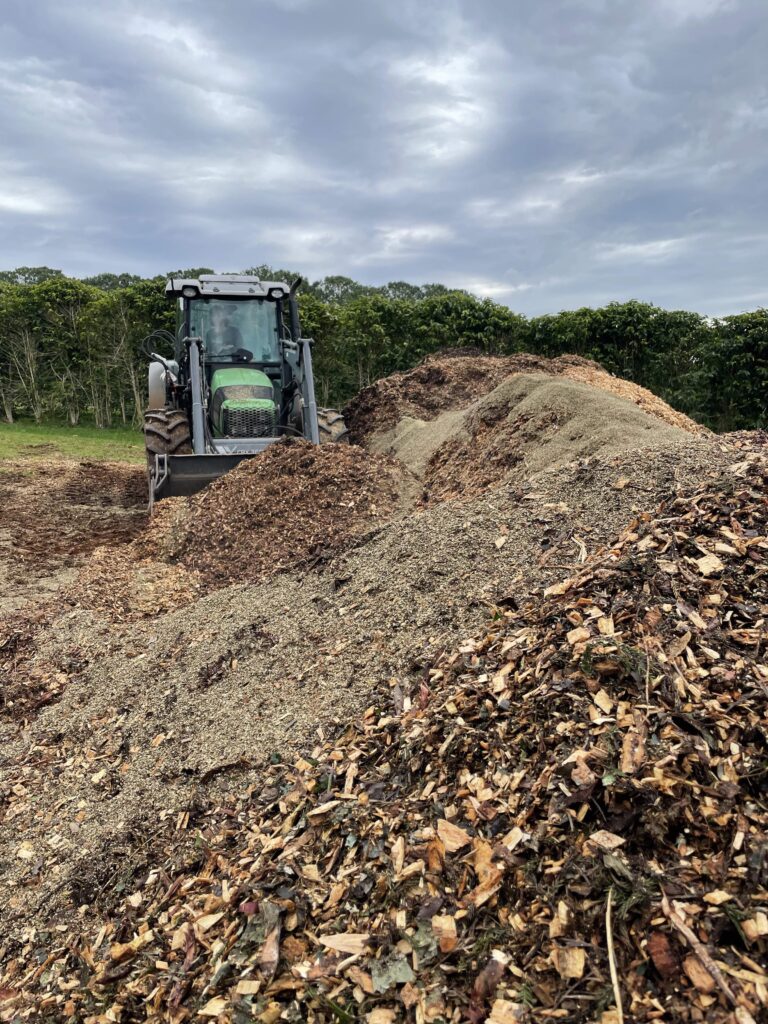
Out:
{"x": 242, "y": 355}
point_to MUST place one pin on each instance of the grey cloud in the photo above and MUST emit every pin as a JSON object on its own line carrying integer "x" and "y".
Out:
{"x": 550, "y": 155}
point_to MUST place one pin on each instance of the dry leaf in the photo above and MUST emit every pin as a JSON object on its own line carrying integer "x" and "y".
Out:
{"x": 488, "y": 979}
{"x": 557, "y": 589}
{"x": 398, "y": 854}
{"x": 583, "y": 775}
{"x": 633, "y": 747}
{"x": 381, "y": 1015}
{"x": 213, "y": 1007}
{"x": 700, "y": 977}
{"x": 120, "y": 951}
{"x": 506, "y": 1012}
{"x": 709, "y": 564}
{"x": 248, "y": 987}
{"x": 603, "y": 701}
{"x": 269, "y": 954}
{"x": 660, "y": 951}
{"x": 577, "y": 635}
{"x": 717, "y": 897}
{"x": 514, "y": 837}
{"x": 755, "y": 927}
{"x": 202, "y": 924}
{"x": 361, "y": 978}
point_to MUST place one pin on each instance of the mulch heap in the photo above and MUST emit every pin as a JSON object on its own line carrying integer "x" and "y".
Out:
{"x": 445, "y": 382}
{"x": 565, "y": 820}
{"x": 531, "y": 423}
{"x": 295, "y": 504}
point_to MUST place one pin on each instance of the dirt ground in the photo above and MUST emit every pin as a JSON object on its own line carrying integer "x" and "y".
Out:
{"x": 55, "y": 513}
{"x": 146, "y": 672}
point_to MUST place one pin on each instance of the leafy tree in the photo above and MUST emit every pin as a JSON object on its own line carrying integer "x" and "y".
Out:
{"x": 71, "y": 348}
{"x": 21, "y": 353}
{"x": 190, "y": 272}
{"x": 267, "y": 273}
{"x": 338, "y": 290}
{"x": 29, "y": 275}
{"x": 734, "y": 375}
{"x": 111, "y": 282}
{"x": 402, "y": 290}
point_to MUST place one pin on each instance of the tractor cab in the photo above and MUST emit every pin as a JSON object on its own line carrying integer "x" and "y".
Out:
{"x": 241, "y": 363}
{"x": 238, "y": 321}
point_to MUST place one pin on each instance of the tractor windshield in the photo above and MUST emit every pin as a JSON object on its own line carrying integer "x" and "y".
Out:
{"x": 229, "y": 328}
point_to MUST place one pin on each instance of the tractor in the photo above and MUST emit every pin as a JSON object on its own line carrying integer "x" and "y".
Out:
{"x": 239, "y": 380}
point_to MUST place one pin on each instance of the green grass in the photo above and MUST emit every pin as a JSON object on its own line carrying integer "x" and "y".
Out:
{"x": 21, "y": 440}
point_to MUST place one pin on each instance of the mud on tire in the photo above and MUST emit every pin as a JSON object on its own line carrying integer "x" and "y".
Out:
{"x": 331, "y": 427}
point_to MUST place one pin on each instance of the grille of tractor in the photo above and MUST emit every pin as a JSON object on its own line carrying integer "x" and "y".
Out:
{"x": 250, "y": 422}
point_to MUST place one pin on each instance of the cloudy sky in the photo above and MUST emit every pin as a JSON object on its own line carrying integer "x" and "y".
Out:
{"x": 546, "y": 153}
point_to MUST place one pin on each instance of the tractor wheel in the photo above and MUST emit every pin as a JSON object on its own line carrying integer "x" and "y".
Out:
{"x": 331, "y": 427}
{"x": 166, "y": 432}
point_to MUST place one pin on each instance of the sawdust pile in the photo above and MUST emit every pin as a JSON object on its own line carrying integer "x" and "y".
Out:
{"x": 442, "y": 383}
{"x": 586, "y": 775}
{"x": 294, "y": 505}
{"x": 535, "y": 422}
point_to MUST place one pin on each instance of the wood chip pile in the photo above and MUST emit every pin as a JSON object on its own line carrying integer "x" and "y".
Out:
{"x": 564, "y": 820}
{"x": 441, "y": 383}
{"x": 295, "y": 504}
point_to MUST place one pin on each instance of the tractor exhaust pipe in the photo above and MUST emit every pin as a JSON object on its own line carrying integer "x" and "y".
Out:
{"x": 293, "y": 309}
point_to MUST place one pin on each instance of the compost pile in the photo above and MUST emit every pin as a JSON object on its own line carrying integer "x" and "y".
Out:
{"x": 564, "y": 814}
{"x": 295, "y": 505}
{"x": 443, "y": 383}
{"x": 535, "y": 422}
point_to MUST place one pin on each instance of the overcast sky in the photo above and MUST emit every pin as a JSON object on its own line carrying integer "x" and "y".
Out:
{"x": 545, "y": 153}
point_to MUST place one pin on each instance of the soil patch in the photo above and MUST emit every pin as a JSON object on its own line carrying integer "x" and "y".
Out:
{"x": 55, "y": 513}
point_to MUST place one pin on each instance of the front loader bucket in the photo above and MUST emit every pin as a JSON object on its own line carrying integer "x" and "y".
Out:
{"x": 178, "y": 475}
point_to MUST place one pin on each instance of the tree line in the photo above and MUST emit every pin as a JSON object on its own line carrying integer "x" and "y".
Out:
{"x": 71, "y": 349}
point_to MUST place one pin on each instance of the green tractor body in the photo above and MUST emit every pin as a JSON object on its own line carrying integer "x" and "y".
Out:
{"x": 243, "y": 403}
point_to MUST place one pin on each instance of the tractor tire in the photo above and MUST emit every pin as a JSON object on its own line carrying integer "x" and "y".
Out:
{"x": 166, "y": 432}
{"x": 331, "y": 427}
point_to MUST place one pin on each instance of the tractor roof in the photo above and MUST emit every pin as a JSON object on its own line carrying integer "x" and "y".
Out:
{"x": 223, "y": 285}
